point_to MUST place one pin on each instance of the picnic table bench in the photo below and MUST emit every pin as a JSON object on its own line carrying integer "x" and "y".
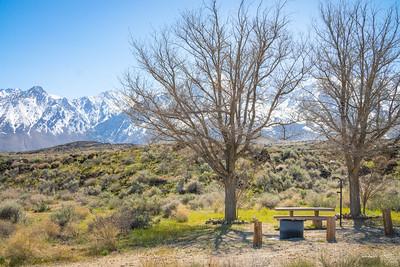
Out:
{"x": 292, "y": 226}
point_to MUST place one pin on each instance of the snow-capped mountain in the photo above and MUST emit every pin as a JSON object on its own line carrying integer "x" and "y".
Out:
{"x": 34, "y": 119}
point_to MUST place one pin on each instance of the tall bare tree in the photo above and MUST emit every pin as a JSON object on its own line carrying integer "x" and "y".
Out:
{"x": 356, "y": 99}
{"x": 212, "y": 84}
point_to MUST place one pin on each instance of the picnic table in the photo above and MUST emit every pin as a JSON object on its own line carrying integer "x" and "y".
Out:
{"x": 293, "y": 225}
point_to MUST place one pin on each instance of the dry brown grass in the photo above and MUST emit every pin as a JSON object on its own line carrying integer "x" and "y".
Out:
{"x": 28, "y": 245}
{"x": 103, "y": 235}
{"x": 182, "y": 214}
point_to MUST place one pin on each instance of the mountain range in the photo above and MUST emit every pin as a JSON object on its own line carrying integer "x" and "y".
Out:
{"x": 33, "y": 119}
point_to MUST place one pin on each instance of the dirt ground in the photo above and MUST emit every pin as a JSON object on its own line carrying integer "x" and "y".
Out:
{"x": 234, "y": 248}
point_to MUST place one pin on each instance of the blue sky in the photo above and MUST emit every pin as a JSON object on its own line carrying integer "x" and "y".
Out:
{"x": 75, "y": 48}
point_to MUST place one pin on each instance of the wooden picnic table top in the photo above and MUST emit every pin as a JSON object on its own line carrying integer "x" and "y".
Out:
{"x": 302, "y": 218}
{"x": 304, "y": 209}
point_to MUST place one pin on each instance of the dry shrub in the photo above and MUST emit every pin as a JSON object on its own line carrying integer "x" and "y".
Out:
{"x": 81, "y": 212}
{"x": 268, "y": 200}
{"x": 217, "y": 206}
{"x": 300, "y": 263}
{"x": 39, "y": 203}
{"x": 67, "y": 219}
{"x": 70, "y": 231}
{"x": 51, "y": 229}
{"x": 181, "y": 214}
{"x": 6, "y": 229}
{"x": 320, "y": 200}
{"x": 25, "y": 245}
{"x": 28, "y": 246}
{"x": 63, "y": 216}
{"x": 289, "y": 202}
{"x": 11, "y": 211}
{"x": 103, "y": 235}
{"x": 169, "y": 208}
{"x": 10, "y": 193}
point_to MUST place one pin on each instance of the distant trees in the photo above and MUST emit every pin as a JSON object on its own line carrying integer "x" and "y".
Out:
{"x": 212, "y": 84}
{"x": 356, "y": 101}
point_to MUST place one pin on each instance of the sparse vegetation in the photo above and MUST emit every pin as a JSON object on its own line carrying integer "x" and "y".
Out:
{"x": 150, "y": 207}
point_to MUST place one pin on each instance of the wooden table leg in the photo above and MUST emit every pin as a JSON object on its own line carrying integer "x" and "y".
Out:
{"x": 317, "y": 223}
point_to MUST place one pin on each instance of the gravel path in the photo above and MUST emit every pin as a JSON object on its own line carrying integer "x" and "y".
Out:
{"x": 233, "y": 248}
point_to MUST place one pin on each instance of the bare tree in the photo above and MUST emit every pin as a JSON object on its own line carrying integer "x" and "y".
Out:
{"x": 212, "y": 84}
{"x": 356, "y": 101}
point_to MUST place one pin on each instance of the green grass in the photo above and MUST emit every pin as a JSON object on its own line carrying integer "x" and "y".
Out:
{"x": 395, "y": 215}
{"x": 166, "y": 232}
{"x": 169, "y": 231}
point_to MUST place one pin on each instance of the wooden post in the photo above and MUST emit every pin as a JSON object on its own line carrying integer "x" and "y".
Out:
{"x": 387, "y": 222}
{"x": 331, "y": 229}
{"x": 257, "y": 237}
{"x": 317, "y": 223}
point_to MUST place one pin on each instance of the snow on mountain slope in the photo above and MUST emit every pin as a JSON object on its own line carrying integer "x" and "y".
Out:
{"x": 34, "y": 119}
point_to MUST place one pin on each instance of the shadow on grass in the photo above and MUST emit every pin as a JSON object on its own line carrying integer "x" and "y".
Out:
{"x": 166, "y": 233}
{"x": 218, "y": 238}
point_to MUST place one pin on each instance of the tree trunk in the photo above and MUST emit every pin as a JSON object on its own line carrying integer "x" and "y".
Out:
{"x": 230, "y": 200}
{"x": 364, "y": 202}
{"x": 353, "y": 167}
{"x": 355, "y": 205}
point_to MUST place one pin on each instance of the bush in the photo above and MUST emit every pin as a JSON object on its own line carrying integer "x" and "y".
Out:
{"x": 298, "y": 174}
{"x": 300, "y": 263}
{"x": 137, "y": 213}
{"x": 93, "y": 190}
{"x": 63, "y": 216}
{"x": 23, "y": 246}
{"x": 169, "y": 208}
{"x": 287, "y": 154}
{"x": 145, "y": 177}
{"x": 269, "y": 200}
{"x": 387, "y": 200}
{"x": 136, "y": 188}
{"x": 319, "y": 200}
{"x": 51, "y": 229}
{"x": 6, "y": 229}
{"x": 194, "y": 187}
{"x": 185, "y": 199}
{"x": 39, "y": 203}
{"x": 181, "y": 215}
{"x": 153, "y": 191}
{"x": 180, "y": 186}
{"x": 103, "y": 232}
{"x": 11, "y": 211}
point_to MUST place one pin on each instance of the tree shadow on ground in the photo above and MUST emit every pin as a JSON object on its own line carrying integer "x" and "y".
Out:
{"x": 226, "y": 235}
{"x": 368, "y": 235}
{"x": 226, "y": 238}
{"x": 220, "y": 239}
